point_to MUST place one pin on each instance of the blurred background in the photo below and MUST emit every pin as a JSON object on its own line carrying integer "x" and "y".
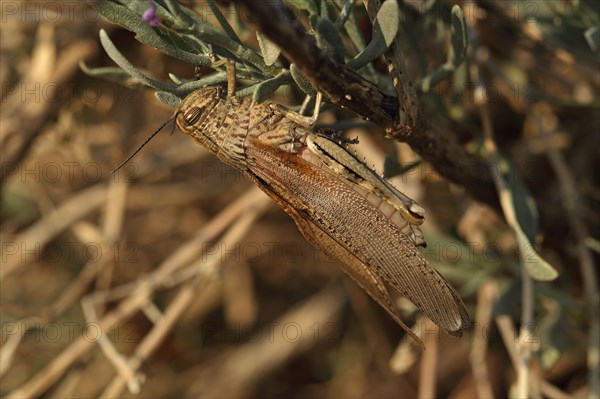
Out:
{"x": 175, "y": 276}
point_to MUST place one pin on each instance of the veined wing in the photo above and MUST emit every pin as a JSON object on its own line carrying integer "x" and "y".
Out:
{"x": 354, "y": 232}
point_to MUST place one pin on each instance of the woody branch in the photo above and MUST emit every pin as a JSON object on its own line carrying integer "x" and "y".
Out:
{"x": 347, "y": 88}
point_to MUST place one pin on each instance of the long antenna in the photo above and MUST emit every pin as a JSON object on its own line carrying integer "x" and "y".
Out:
{"x": 145, "y": 142}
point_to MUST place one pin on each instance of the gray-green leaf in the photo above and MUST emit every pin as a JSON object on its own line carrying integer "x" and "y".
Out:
{"x": 592, "y": 35}
{"x": 328, "y": 39}
{"x": 385, "y": 29}
{"x": 167, "y": 98}
{"x": 302, "y": 81}
{"x": 269, "y": 50}
{"x": 458, "y": 37}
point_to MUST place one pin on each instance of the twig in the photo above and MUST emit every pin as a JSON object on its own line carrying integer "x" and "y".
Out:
{"x": 553, "y": 392}
{"x": 10, "y": 346}
{"x": 48, "y": 375}
{"x": 153, "y": 339}
{"x": 506, "y": 328}
{"x": 407, "y": 353}
{"x": 53, "y": 371}
{"x": 342, "y": 85}
{"x": 523, "y": 365}
{"x": 429, "y": 360}
{"x": 298, "y": 330}
{"x": 36, "y": 236}
{"x": 74, "y": 291}
{"x": 69, "y": 296}
{"x": 485, "y": 298}
{"x": 524, "y": 346}
{"x": 112, "y": 223}
{"x": 115, "y": 358}
{"x": 590, "y": 278}
{"x": 348, "y": 89}
{"x": 26, "y": 119}
{"x": 206, "y": 268}
{"x": 408, "y": 103}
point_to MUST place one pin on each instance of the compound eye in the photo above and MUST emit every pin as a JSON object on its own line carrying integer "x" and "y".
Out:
{"x": 192, "y": 115}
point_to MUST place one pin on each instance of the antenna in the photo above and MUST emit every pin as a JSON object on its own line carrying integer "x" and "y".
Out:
{"x": 145, "y": 142}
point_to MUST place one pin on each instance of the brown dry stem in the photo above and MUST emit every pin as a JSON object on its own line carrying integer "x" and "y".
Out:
{"x": 138, "y": 294}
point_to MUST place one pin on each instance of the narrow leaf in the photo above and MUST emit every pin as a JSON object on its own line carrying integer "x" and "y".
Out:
{"x": 519, "y": 210}
{"x": 145, "y": 33}
{"x": 536, "y": 266}
{"x": 121, "y": 61}
{"x": 212, "y": 80}
{"x": 523, "y": 204}
{"x": 458, "y": 37}
{"x": 113, "y": 74}
{"x": 267, "y": 88}
{"x": 223, "y": 21}
{"x": 328, "y": 39}
{"x": 302, "y": 81}
{"x": 384, "y": 32}
{"x": 269, "y": 50}
{"x": 388, "y": 20}
{"x": 167, "y": 98}
{"x": 592, "y": 35}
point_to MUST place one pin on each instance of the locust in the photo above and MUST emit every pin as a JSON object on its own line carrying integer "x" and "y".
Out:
{"x": 339, "y": 204}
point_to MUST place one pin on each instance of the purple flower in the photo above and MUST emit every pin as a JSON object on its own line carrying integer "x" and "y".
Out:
{"x": 150, "y": 15}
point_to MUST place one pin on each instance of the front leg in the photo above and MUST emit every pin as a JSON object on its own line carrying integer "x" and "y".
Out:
{"x": 231, "y": 78}
{"x": 307, "y": 122}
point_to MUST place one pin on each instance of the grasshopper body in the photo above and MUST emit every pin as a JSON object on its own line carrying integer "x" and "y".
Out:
{"x": 341, "y": 206}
